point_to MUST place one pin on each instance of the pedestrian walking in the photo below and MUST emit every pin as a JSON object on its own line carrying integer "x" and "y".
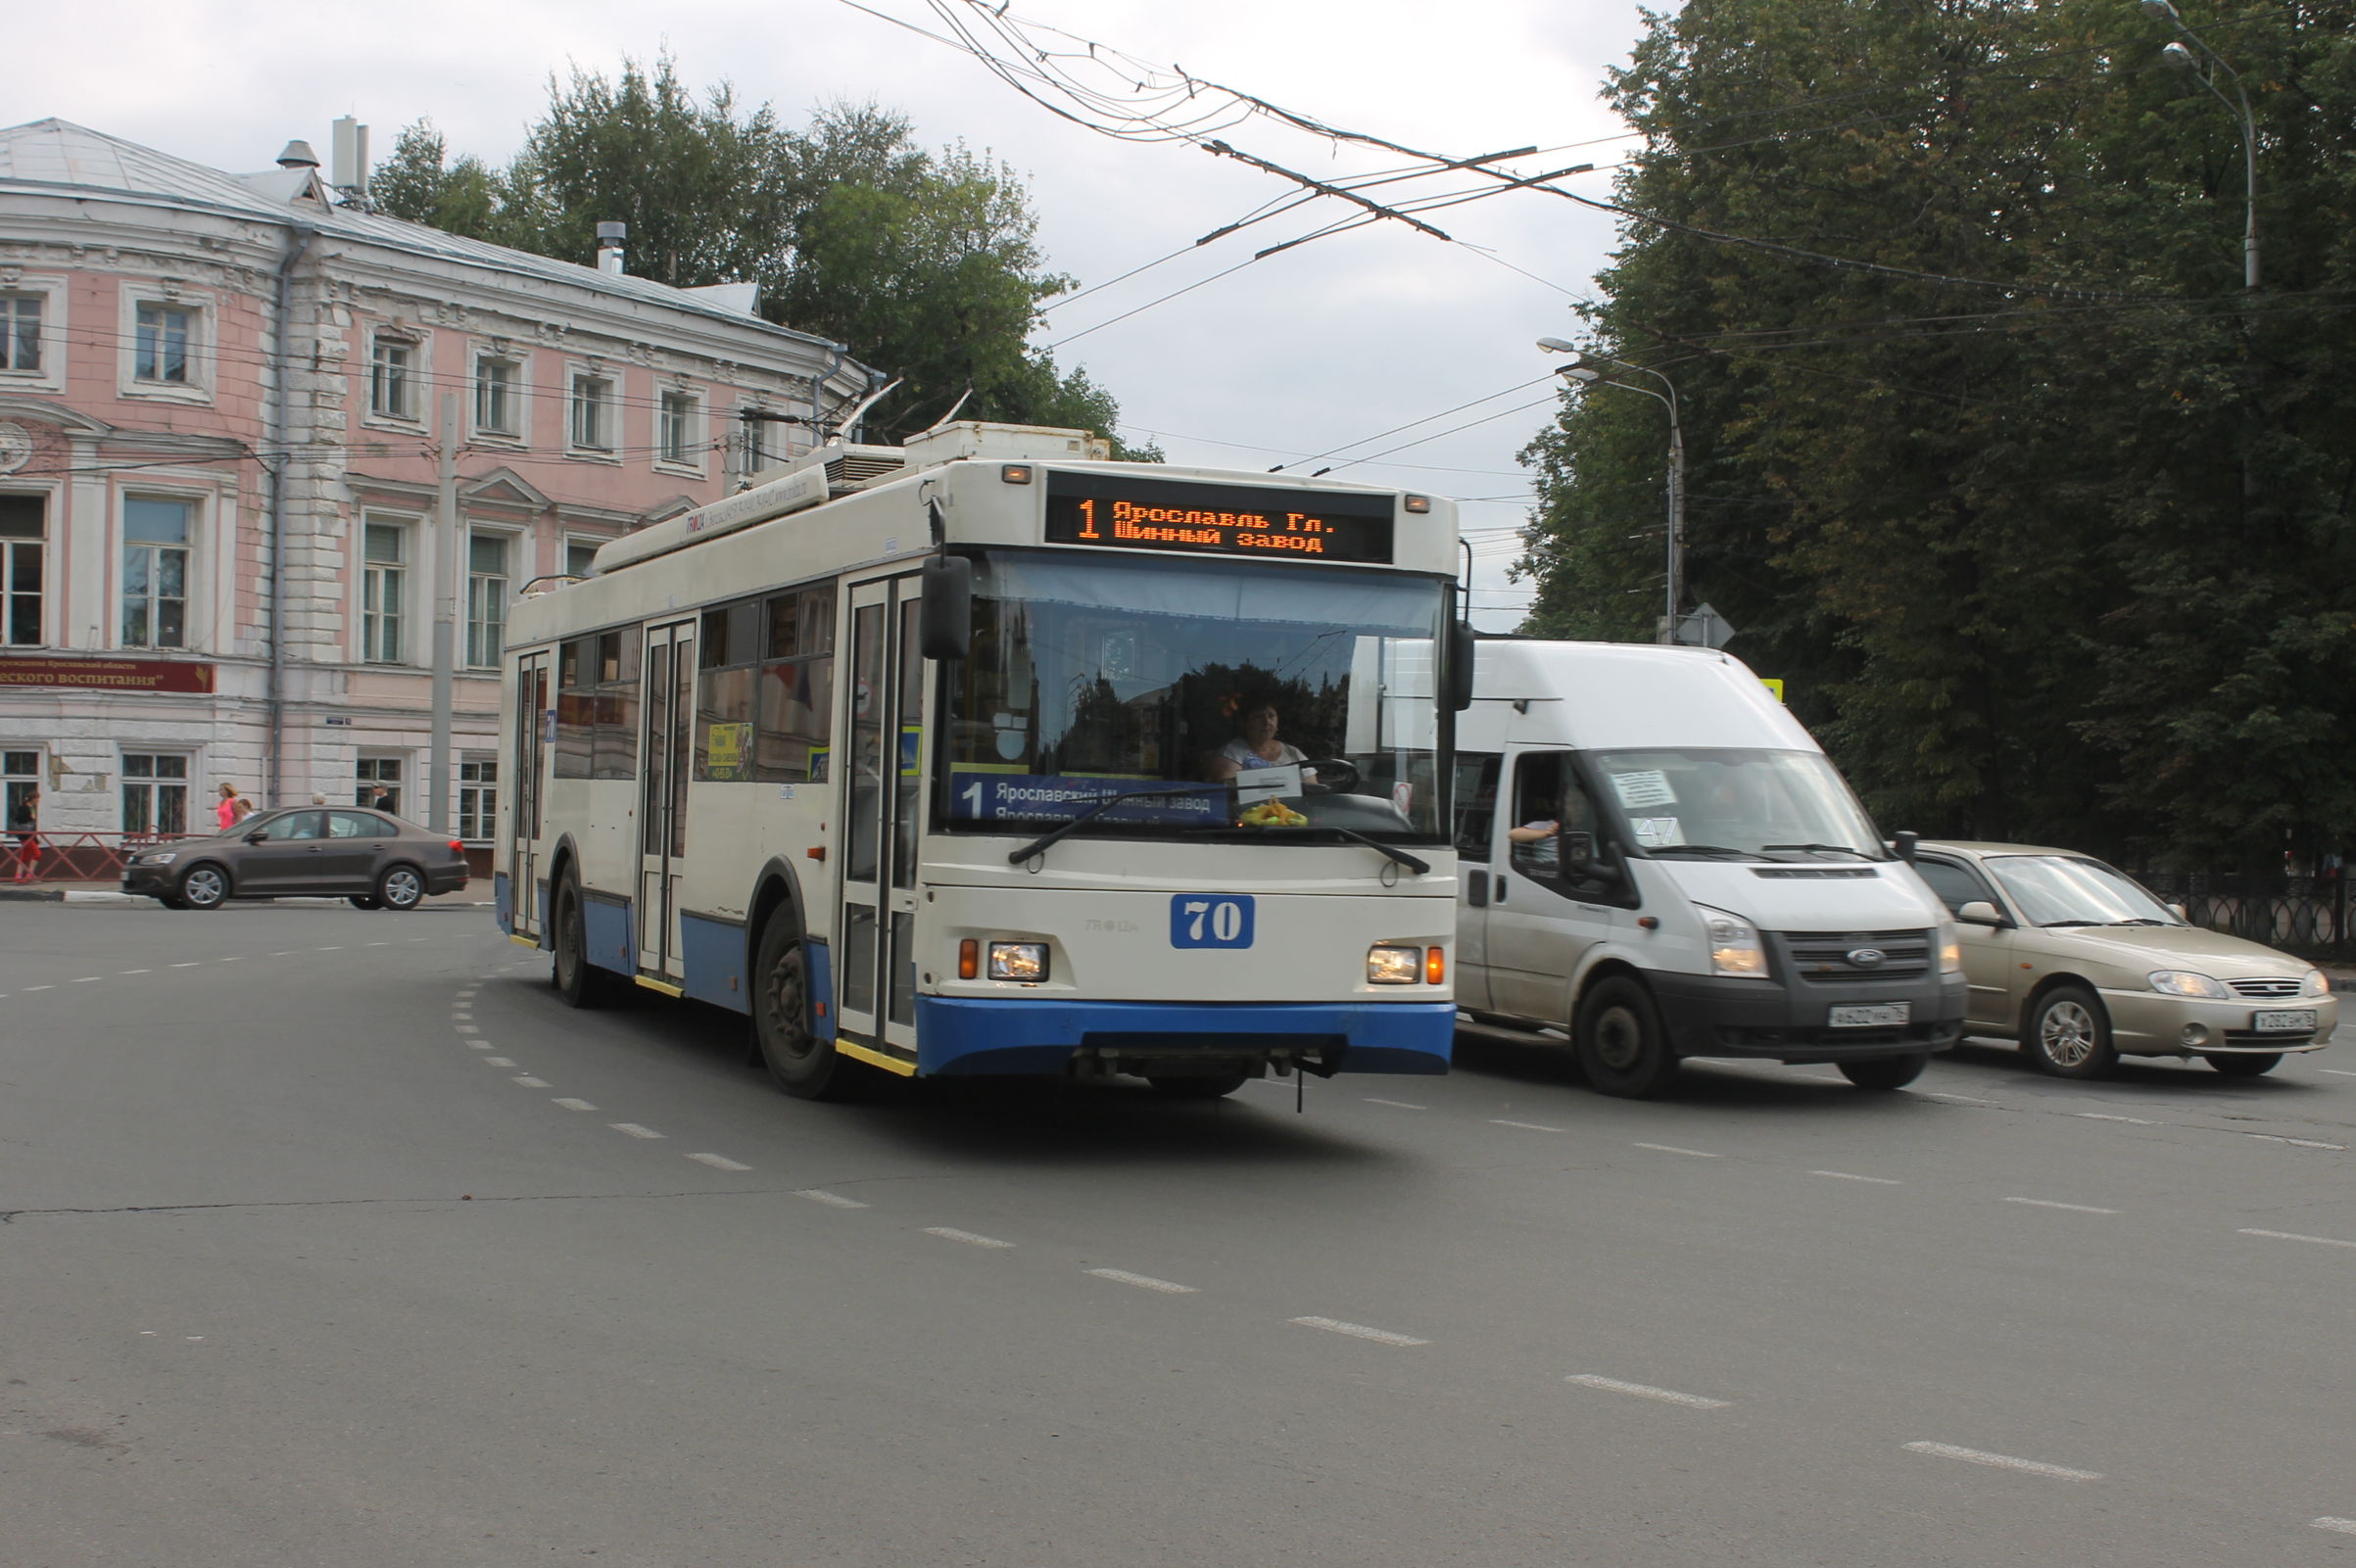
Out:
{"x": 227, "y": 813}
{"x": 24, "y": 826}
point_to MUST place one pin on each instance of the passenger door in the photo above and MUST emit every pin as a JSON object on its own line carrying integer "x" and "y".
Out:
{"x": 883, "y": 763}
{"x": 667, "y": 697}
{"x": 1476, "y": 776}
{"x": 534, "y": 719}
{"x": 1545, "y": 919}
{"x": 354, "y": 851}
{"x": 287, "y": 860}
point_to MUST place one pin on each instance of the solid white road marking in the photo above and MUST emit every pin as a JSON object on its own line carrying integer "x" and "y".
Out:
{"x": 2293, "y": 1235}
{"x": 949, "y": 1233}
{"x": 718, "y": 1161}
{"x": 530, "y": 1082}
{"x": 1526, "y": 1127}
{"x": 1122, "y": 1276}
{"x": 498, "y": 1062}
{"x": 2346, "y": 1527}
{"x": 576, "y": 1105}
{"x": 634, "y": 1129}
{"x": 2047, "y": 1203}
{"x": 2003, "y": 1462}
{"x": 1959, "y": 1099}
{"x": 1396, "y": 1105}
{"x": 1672, "y": 1149}
{"x": 1646, "y": 1390}
{"x": 2303, "y": 1143}
{"x": 1850, "y": 1175}
{"x": 2096, "y": 1116}
{"x": 833, "y": 1200}
{"x": 1381, "y": 1336}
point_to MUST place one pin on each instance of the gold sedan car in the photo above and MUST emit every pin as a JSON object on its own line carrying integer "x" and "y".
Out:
{"x": 2081, "y": 965}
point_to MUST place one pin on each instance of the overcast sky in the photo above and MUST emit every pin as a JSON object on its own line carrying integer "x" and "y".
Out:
{"x": 1312, "y": 349}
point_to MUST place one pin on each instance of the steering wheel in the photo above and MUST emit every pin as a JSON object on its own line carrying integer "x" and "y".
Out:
{"x": 1334, "y": 775}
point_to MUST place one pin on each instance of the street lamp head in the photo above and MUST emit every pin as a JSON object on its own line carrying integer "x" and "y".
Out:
{"x": 2177, "y": 56}
{"x": 1580, "y": 373}
{"x": 1558, "y": 346}
{"x": 2160, "y": 11}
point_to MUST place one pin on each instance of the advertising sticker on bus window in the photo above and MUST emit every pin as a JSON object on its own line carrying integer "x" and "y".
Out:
{"x": 1255, "y": 785}
{"x": 1647, "y": 787}
{"x": 1657, "y": 833}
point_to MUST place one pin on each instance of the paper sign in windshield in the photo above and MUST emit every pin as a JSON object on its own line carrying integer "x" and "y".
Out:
{"x": 1657, "y": 833}
{"x": 1255, "y": 785}
{"x": 1648, "y": 787}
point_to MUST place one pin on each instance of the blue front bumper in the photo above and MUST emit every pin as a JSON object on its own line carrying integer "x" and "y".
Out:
{"x": 962, "y": 1036}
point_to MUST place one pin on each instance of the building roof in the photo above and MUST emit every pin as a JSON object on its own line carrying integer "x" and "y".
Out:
{"x": 57, "y": 155}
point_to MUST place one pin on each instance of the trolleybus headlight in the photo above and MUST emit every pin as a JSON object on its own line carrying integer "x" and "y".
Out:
{"x": 1735, "y": 947}
{"x": 1018, "y": 960}
{"x": 1394, "y": 965}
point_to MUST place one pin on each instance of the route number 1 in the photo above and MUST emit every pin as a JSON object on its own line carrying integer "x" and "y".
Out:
{"x": 1210, "y": 920}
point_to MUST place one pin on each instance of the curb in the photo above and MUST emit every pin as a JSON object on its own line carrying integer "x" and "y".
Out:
{"x": 31, "y": 895}
{"x": 77, "y": 895}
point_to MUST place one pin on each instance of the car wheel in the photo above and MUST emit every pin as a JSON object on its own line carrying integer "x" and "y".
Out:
{"x": 2068, "y": 1034}
{"x": 401, "y": 887}
{"x": 2239, "y": 1066}
{"x": 800, "y": 1063}
{"x": 205, "y": 885}
{"x": 1887, "y": 1072}
{"x": 365, "y": 901}
{"x": 1619, "y": 1040}
{"x": 1212, "y": 1088}
{"x": 579, "y": 982}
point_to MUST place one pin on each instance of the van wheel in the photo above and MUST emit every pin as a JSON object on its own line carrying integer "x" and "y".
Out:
{"x": 1619, "y": 1041}
{"x": 579, "y": 982}
{"x": 800, "y": 1063}
{"x": 1886, "y": 1072}
{"x": 2068, "y": 1034}
{"x": 2252, "y": 1066}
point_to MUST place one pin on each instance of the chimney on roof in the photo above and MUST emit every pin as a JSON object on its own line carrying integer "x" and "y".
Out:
{"x": 610, "y": 247}
{"x": 297, "y": 155}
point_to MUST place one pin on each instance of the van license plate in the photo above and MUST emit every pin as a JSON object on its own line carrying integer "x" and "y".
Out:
{"x": 2300, "y": 1021}
{"x": 1879, "y": 1016}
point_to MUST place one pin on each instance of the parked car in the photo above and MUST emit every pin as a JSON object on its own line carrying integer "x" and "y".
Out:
{"x": 376, "y": 861}
{"x": 2081, "y": 965}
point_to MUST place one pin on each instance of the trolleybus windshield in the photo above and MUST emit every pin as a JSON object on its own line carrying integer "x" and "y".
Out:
{"x": 1222, "y": 697}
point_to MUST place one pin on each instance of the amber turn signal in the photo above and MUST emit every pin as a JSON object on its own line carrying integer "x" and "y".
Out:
{"x": 1435, "y": 966}
{"x": 969, "y": 959}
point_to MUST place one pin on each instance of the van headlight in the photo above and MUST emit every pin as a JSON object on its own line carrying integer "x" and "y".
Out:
{"x": 2183, "y": 983}
{"x": 1018, "y": 960}
{"x": 2317, "y": 983}
{"x": 1394, "y": 965}
{"x": 1950, "y": 948}
{"x": 1735, "y": 947}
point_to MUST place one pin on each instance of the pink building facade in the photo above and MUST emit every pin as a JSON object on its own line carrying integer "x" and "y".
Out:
{"x": 253, "y": 443}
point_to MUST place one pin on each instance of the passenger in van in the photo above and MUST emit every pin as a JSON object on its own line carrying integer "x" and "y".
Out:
{"x": 1255, "y": 746}
{"x": 1536, "y": 843}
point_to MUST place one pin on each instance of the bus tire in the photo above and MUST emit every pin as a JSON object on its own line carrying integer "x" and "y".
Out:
{"x": 577, "y": 980}
{"x": 800, "y": 1063}
{"x": 1197, "y": 1088}
{"x": 1619, "y": 1041}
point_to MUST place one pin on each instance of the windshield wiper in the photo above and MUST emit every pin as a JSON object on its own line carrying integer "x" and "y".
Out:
{"x": 1419, "y": 867}
{"x": 1048, "y": 840}
{"x": 2045, "y": 924}
{"x": 2141, "y": 920}
{"x": 1827, "y": 849}
{"x": 1656, "y": 851}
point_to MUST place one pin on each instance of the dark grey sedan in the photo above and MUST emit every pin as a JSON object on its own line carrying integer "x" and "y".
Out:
{"x": 376, "y": 861}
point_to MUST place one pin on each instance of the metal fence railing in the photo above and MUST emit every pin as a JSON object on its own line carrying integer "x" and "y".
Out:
{"x": 81, "y": 857}
{"x": 2303, "y": 913}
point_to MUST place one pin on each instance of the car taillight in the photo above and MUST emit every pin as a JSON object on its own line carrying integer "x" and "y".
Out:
{"x": 457, "y": 847}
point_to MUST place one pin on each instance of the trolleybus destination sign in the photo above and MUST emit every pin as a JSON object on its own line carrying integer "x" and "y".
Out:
{"x": 1310, "y": 525}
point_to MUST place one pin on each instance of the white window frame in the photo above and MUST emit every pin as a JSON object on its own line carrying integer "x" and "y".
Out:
{"x": 204, "y": 320}
{"x": 415, "y": 378}
{"x": 193, "y": 601}
{"x": 609, "y": 413}
{"x": 364, "y": 648}
{"x": 514, "y": 542}
{"x": 692, "y": 441}
{"x": 190, "y": 806}
{"x": 519, "y": 394}
{"x": 574, "y": 542}
{"x": 403, "y": 781}
{"x": 51, "y": 376}
{"x": 477, "y": 799}
{"x": 43, "y": 592}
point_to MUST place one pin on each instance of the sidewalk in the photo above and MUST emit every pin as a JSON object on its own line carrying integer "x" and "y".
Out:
{"x": 100, "y": 893}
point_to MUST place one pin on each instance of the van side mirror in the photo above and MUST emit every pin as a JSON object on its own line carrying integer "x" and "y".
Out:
{"x": 1462, "y": 648}
{"x": 1980, "y": 911}
{"x": 1901, "y": 844}
{"x": 945, "y": 621}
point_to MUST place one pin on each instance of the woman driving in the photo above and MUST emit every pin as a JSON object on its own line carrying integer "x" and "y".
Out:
{"x": 1256, "y": 745}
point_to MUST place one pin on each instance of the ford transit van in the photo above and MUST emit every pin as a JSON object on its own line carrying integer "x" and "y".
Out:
{"x": 1659, "y": 860}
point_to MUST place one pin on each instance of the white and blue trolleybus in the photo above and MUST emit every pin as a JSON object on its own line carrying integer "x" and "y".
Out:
{"x": 988, "y": 755}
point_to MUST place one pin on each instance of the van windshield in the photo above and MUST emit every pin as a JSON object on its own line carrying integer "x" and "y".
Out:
{"x": 1767, "y": 805}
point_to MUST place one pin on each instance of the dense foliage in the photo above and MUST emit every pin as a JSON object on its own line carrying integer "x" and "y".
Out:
{"x": 925, "y": 264}
{"x": 2068, "y": 560}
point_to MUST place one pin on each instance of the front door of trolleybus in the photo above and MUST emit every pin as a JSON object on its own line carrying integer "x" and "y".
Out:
{"x": 535, "y": 716}
{"x": 883, "y": 796}
{"x": 668, "y": 699}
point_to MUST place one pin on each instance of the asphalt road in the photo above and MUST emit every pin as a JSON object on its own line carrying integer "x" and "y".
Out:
{"x": 331, "y": 1238}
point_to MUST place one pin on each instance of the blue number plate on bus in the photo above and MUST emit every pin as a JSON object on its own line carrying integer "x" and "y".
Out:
{"x": 1210, "y": 920}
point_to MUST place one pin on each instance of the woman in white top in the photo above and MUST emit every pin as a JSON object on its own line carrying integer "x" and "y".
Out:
{"x": 1256, "y": 746}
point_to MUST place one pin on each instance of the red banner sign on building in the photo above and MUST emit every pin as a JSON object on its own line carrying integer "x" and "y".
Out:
{"x": 106, "y": 675}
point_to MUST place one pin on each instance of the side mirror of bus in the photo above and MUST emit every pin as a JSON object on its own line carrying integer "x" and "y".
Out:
{"x": 1460, "y": 647}
{"x": 946, "y": 624}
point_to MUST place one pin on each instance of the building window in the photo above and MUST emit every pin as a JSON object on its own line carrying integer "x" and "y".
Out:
{"x": 21, "y": 542}
{"x": 163, "y": 337}
{"x": 478, "y": 800}
{"x": 677, "y": 431}
{"x": 20, "y": 332}
{"x": 19, "y": 787}
{"x": 389, "y": 368}
{"x": 486, "y": 598}
{"x": 579, "y": 558}
{"x": 384, "y": 582}
{"x": 155, "y": 792}
{"x": 497, "y": 405}
{"x": 378, "y": 785}
{"x": 155, "y": 572}
{"x": 757, "y": 438}
{"x": 592, "y": 413}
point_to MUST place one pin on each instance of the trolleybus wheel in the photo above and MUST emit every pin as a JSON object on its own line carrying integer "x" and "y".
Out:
{"x": 1619, "y": 1041}
{"x": 1213, "y": 1088}
{"x": 800, "y": 1063}
{"x": 579, "y": 982}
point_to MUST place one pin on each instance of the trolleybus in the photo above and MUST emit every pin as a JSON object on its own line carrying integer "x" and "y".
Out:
{"x": 988, "y": 755}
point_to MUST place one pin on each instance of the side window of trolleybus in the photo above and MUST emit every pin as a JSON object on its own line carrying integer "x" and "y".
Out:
{"x": 597, "y": 706}
{"x": 1223, "y": 696}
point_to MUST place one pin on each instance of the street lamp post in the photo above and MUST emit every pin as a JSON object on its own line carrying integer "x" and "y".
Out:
{"x": 2182, "y": 59}
{"x": 1587, "y": 375}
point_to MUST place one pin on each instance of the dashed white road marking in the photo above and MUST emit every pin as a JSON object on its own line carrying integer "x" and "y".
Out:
{"x": 1850, "y": 1175}
{"x": 2338, "y": 1073}
{"x": 2137, "y": 1121}
{"x": 1959, "y": 1099}
{"x": 132, "y": 971}
{"x": 2003, "y": 1462}
{"x": 87, "y": 979}
{"x": 466, "y": 1029}
{"x": 1672, "y": 1149}
{"x": 51, "y": 987}
{"x": 327, "y": 949}
{"x": 2047, "y": 1203}
{"x": 184, "y": 966}
{"x": 380, "y": 944}
{"x": 1646, "y": 1390}
{"x": 634, "y": 1129}
{"x": 476, "y": 1045}
{"x": 530, "y": 1082}
{"x": 2346, "y": 1527}
{"x": 2299, "y": 1143}
{"x": 284, "y": 952}
{"x": 1396, "y": 1105}
{"x": 1122, "y": 1276}
{"x": 719, "y": 1162}
{"x": 2293, "y": 1235}
{"x": 950, "y": 1233}
{"x": 240, "y": 958}
{"x": 498, "y": 1062}
{"x": 576, "y": 1105}
{"x": 833, "y": 1200}
{"x": 1360, "y": 1331}
{"x": 1526, "y": 1127}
